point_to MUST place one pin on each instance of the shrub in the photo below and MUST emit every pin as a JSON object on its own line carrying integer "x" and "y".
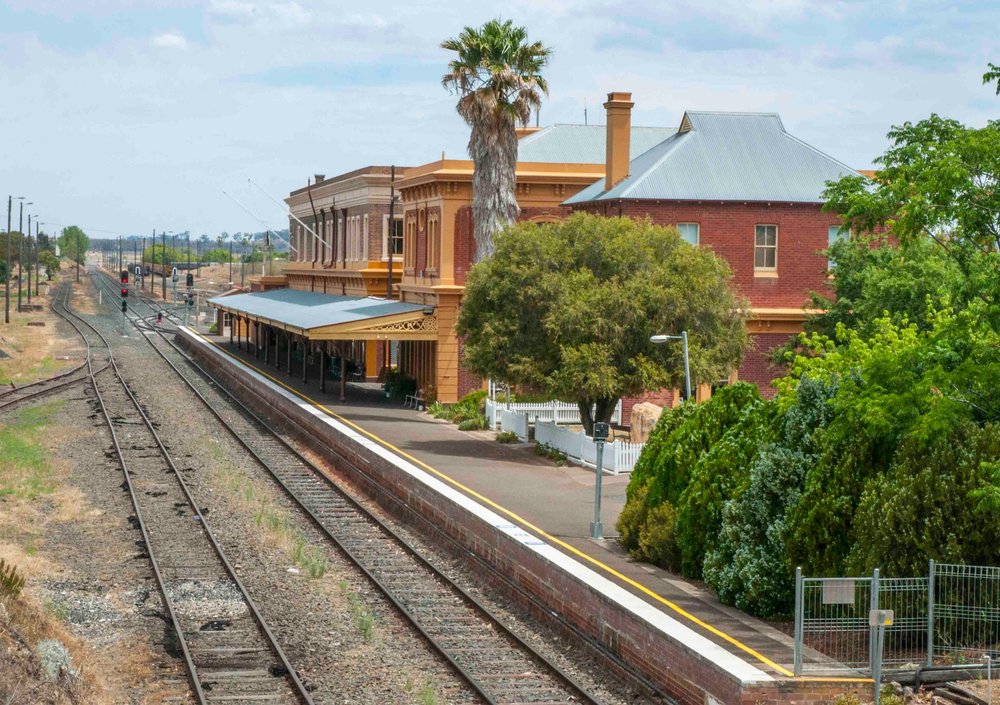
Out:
{"x": 507, "y": 437}
{"x": 475, "y": 423}
{"x": 11, "y": 581}
{"x": 546, "y": 451}
{"x": 214, "y": 328}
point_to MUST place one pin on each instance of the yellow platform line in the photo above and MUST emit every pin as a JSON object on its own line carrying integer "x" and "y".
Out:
{"x": 503, "y": 510}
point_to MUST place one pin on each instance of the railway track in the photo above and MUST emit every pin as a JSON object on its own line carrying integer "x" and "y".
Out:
{"x": 497, "y": 664}
{"x": 230, "y": 653}
{"x": 80, "y": 373}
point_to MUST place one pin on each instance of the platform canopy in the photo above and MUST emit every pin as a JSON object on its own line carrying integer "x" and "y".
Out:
{"x": 327, "y": 317}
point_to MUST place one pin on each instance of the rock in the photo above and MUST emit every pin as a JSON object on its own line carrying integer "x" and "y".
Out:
{"x": 644, "y": 418}
{"x": 54, "y": 659}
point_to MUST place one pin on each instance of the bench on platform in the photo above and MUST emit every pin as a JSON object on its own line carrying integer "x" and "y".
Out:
{"x": 417, "y": 400}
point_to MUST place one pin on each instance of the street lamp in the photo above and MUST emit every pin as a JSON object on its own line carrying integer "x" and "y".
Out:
{"x": 661, "y": 339}
{"x": 10, "y": 203}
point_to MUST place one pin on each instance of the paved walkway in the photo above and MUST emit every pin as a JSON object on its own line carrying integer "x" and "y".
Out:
{"x": 557, "y": 502}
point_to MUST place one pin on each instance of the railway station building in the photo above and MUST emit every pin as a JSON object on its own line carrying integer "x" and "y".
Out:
{"x": 735, "y": 182}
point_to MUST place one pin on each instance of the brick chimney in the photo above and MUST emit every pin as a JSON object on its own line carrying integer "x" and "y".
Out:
{"x": 619, "y": 107}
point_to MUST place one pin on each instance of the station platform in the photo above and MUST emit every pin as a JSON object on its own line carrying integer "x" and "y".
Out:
{"x": 555, "y": 503}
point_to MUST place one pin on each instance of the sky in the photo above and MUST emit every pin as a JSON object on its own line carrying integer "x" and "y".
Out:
{"x": 125, "y": 116}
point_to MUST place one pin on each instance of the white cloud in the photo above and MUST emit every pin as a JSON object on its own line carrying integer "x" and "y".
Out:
{"x": 169, "y": 40}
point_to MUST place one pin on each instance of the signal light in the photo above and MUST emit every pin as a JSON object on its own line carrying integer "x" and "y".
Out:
{"x": 124, "y": 276}
{"x": 124, "y": 292}
{"x": 124, "y": 306}
{"x": 190, "y": 279}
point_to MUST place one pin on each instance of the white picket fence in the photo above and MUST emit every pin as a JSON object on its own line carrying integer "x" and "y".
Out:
{"x": 559, "y": 412}
{"x": 619, "y": 456}
{"x": 513, "y": 421}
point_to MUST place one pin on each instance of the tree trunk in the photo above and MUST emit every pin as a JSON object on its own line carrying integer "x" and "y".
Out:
{"x": 602, "y": 411}
{"x": 493, "y": 148}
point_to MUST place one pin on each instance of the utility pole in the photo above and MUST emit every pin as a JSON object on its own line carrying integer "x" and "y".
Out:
{"x": 37, "y": 235}
{"x": 230, "y": 262}
{"x": 163, "y": 261}
{"x": 20, "y": 249}
{"x": 6, "y": 287}
{"x": 29, "y": 259}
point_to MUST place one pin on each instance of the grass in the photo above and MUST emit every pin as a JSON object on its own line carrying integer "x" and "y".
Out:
{"x": 25, "y": 471}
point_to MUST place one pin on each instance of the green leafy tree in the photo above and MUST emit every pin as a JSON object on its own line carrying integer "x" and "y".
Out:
{"x": 48, "y": 260}
{"x": 936, "y": 182}
{"x": 218, "y": 254}
{"x": 568, "y": 308}
{"x": 873, "y": 279}
{"x": 73, "y": 244}
{"x": 497, "y": 75}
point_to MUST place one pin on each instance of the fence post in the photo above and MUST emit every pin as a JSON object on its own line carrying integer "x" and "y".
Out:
{"x": 799, "y": 623}
{"x": 872, "y": 631}
{"x": 930, "y": 613}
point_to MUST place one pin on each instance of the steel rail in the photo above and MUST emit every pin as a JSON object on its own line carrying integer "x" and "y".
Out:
{"x": 300, "y": 691}
{"x": 21, "y": 398}
{"x": 318, "y": 522}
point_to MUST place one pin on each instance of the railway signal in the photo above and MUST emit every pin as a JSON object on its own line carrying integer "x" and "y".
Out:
{"x": 190, "y": 279}
{"x": 124, "y": 289}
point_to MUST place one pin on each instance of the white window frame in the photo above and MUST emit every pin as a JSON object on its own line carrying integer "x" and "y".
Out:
{"x": 765, "y": 268}
{"x": 833, "y": 234}
{"x": 398, "y": 217}
{"x": 697, "y": 233}
{"x": 364, "y": 237}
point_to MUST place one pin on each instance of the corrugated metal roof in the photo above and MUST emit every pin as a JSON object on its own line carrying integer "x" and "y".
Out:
{"x": 307, "y": 309}
{"x": 583, "y": 144}
{"x": 726, "y": 157}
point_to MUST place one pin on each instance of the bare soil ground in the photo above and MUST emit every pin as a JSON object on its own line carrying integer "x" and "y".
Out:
{"x": 37, "y": 351}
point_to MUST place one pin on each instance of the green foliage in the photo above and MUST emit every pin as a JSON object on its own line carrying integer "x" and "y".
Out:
{"x": 683, "y": 435}
{"x": 721, "y": 472}
{"x": 688, "y": 443}
{"x": 568, "y": 309}
{"x": 48, "y": 260}
{"x": 73, "y": 244}
{"x": 11, "y": 580}
{"x": 218, "y": 254}
{"x": 398, "y": 385}
{"x": 873, "y": 279}
{"x": 476, "y": 423}
{"x": 544, "y": 450}
{"x": 747, "y": 566}
{"x": 507, "y": 437}
{"x": 929, "y": 505}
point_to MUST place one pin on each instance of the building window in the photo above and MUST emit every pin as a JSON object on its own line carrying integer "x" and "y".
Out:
{"x": 397, "y": 236}
{"x": 690, "y": 232}
{"x": 836, "y": 232}
{"x": 364, "y": 237}
{"x": 409, "y": 245}
{"x": 433, "y": 243}
{"x": 765, "y": 254}
{"x": 341, "y": 248}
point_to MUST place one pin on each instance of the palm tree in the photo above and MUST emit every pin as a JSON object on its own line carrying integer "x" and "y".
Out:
{"x": 497, "y": 75}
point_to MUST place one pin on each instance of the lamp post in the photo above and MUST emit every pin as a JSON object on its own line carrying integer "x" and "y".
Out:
{"x": 600, "y": 437}
{"x": 660, "y": 339}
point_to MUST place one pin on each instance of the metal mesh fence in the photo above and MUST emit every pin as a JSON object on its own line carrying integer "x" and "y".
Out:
{"x": 831, "y": 627}
{"x": 965, "y": 613}
{"x": 952, "y": 616}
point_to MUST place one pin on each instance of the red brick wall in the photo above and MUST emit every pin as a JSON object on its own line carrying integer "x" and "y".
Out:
{"x": 465, "y": 240}
{"x": 757, "y": 367}
{"x": 728, "y": 228}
